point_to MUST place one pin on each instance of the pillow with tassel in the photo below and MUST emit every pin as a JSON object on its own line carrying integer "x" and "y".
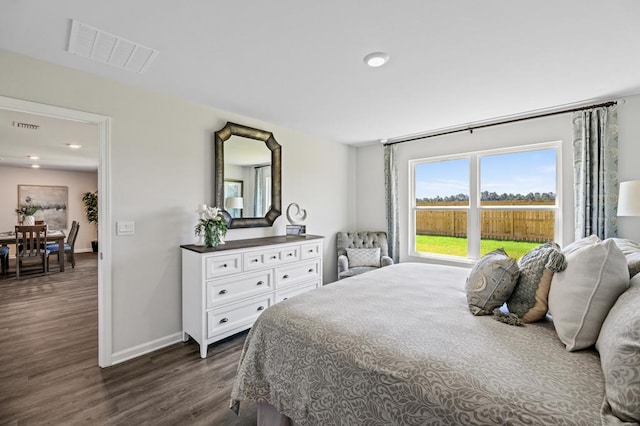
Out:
{"x": 529, "y": 300}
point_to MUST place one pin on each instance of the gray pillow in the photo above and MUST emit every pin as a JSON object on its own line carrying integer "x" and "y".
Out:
{"x": 529, "y": 298}
{"x": 363, "y": 257}
{"x": 582, "y": 295}
{"x": 491, "y": 282}
{"x": 619, "y": 347}
{"x": 631, "y": 251}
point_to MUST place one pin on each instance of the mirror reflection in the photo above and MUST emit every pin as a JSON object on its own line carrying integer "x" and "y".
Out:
{"x": 247, "y": 177}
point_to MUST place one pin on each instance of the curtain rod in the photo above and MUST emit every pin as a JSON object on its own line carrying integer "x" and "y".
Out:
{"x": 497, "y": 123}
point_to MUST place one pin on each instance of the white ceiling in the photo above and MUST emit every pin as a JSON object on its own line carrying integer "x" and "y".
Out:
{"x": 49, "y": 142}
{"x": 300, "y": 64}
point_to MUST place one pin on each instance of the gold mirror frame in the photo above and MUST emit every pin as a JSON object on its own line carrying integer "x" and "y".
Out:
{"x": 221, "y": 136}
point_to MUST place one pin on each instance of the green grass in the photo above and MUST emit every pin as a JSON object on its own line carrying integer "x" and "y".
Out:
{"x": 456, "y": 246}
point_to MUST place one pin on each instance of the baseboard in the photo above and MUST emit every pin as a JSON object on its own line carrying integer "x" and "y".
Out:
{"x": 82, "y": 250}
{"x": 145, "y": 348}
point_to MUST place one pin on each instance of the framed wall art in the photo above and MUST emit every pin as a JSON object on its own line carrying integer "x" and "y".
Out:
{"x": 52, "y": 203}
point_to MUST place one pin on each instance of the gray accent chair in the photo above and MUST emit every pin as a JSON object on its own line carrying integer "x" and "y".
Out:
{"x": 367, "y": 239}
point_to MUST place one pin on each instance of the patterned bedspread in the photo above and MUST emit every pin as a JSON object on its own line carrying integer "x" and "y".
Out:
{"x": 398, "y": 346}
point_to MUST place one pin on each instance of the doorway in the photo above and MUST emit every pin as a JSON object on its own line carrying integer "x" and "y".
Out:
{"x": 104, "y": 229}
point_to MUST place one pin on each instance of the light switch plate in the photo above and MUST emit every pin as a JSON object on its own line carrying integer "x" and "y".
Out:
{"x": 125, "y": 228}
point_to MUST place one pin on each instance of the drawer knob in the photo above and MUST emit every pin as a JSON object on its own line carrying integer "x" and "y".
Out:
{"x": 223, "y": 320}
{"x": 260, "y": 283}
{"x": 274, "y": 257}
{"x": 284, "y": 277}
{"x": 224, "y": 265}
{"x": 290, "y": 254}
{"x": 311, "y": 270}
{"x": 284, "y": 299}
{"x": 261, "y": 308}
{"x": 222, "y": 292}
{"x": 254, "y": 260}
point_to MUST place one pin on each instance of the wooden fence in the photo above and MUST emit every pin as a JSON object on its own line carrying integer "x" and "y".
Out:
{"x": 513, "y": 225}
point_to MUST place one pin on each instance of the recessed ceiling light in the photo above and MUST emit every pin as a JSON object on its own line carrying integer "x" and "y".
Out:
{"x": 74, "y": 145}
{"x": 376, "y": 59}
{"x": 33, "y": 157}
{"x": 35, "y": 166}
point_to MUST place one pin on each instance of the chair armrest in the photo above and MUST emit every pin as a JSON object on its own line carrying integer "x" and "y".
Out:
{"x": 343, "y": 263}
{"x": 386, "y": 261}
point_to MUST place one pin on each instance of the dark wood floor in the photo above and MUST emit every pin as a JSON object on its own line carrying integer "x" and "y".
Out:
{"x": 49, "y": 370}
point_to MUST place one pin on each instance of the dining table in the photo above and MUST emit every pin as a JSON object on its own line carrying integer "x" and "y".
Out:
{"x": 54, "y": 236}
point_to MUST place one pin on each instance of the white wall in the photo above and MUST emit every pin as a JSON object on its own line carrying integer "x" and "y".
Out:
{"x": 629, "y": 158}
{"x": 77, "y": 182}
{"x": 370, "y": 212}
{"x": 162, "y": 169}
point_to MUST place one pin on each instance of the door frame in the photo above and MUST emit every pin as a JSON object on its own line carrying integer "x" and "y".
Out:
{"x": 104, "y": 208}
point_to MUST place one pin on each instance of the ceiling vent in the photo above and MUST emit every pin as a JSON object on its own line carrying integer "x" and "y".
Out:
{"x": 26, "y": 125}
{"x": 101, "y": 46}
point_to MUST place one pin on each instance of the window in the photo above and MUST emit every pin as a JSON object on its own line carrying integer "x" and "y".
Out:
{"x": 467, "y": 205}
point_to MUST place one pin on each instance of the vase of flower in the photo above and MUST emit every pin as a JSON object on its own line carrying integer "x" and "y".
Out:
{"x": 26, "y": 211}
{"x": 212, "y": 225}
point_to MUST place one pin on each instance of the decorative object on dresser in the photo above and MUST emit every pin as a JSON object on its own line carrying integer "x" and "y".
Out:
{"x": 244, "y": 151}
{"x": 295, "y": 219}
{"x": 212, "y": 225}
{"x": 225, "y": 289}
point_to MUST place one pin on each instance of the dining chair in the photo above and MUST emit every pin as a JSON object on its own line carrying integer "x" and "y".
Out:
{"x": 69, "y": 245}
{"x": 4, "y": 260}
{"x": 31, "y": 247}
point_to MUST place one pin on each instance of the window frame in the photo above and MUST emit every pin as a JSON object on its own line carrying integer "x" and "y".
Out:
{"x": 474, "y": 209}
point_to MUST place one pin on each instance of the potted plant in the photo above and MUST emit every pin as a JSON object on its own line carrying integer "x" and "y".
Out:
{"x": 90, "y": 200}
{"x": 26, "y": 211}
{"x": 213, "y": 226}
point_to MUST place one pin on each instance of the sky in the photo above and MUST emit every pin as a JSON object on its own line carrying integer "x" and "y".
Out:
{"x": 516, "y": 173}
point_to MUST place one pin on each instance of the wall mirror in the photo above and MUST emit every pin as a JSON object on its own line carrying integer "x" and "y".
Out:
{"x": 247, "y": 180}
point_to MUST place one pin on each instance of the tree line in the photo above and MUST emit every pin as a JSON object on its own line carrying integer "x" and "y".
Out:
{"x": 494, "y": 196}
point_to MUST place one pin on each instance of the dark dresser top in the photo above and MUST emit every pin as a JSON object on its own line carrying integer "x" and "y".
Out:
{"x": 251, "y": 242}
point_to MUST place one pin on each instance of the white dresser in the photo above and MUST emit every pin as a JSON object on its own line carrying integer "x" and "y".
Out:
{"x": 225, "y": 289}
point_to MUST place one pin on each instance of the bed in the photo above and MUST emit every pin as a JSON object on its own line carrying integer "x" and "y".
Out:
{"x": 398, "y": 346}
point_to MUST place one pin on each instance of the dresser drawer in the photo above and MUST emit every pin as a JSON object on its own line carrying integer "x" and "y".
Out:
{"x": 293, "y": 274}
{"x": 311, "y": 250}
{"x": 289, "y": 292}
{"x": 227, "y": 290}
{"x": 268, "y": 258}
{"x": 221, "y": 320}
{"x": 217, "y": 266}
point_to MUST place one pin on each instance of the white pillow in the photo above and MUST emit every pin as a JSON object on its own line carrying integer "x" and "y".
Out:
{"x": 363, "y": 257}
{"x": 582, "y": 242}
{"x": 582, "y": 295}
